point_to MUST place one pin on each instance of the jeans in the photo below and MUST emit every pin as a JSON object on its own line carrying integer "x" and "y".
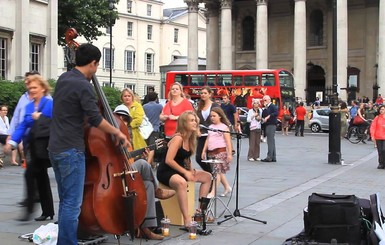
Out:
{"x": 69, "y": 168}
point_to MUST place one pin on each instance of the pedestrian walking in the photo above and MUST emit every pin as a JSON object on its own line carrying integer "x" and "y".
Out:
{"x": 300, "y": 113}
{"x": 377, "y": 130}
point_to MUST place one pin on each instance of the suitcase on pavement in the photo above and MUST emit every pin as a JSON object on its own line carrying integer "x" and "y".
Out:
{"x": 334, "y": 217}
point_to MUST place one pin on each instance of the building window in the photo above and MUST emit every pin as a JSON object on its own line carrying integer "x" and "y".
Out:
{"x": 107, "y": 84}
{"x": 3, "y": 58}
{"x": 149, "y": 63}
{"x": 106, "y": 55}
{"x": 129, "y": 29}
{"x": 248, "y": 33}
{"x": 129, "y": 6}
{"x": 316, "y": 30}
{"x": 34, "y": 57}
{"x": 176, "y": 35}
{"x": 130, "y": 86}
{"x": 149, "y": 32}
{"x": 65, "y": 62}
{"x": 149, "y": 9}
{"x": 129, "y": 58}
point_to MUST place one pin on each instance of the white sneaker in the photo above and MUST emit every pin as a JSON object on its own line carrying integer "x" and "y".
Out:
{"x": 258, "y": 159}
{"x": 251, "y": 160}
{"x": 264, "y": 140}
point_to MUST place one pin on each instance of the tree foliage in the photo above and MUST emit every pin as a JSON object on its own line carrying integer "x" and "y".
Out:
{"x": 10, "y": 93}
{"x": 86, "y": 16}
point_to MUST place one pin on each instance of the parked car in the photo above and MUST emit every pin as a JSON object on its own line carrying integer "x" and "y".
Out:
{"x": 319, "y": 120}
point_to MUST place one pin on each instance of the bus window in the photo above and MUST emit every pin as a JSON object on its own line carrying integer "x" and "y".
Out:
{"x": 182, "y": 79}
{"x": 210, "y": 79}
{"x": 237, "y": 81}
{"x": 286, "y": 79}
{"x": 251, "y": 80}
{"x": 224, "y": 80}
{"x": 197, "y": 80}
{"x": 268, "y": 80}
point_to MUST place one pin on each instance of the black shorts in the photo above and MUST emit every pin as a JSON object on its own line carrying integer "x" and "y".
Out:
{"x": 3, "y": 138}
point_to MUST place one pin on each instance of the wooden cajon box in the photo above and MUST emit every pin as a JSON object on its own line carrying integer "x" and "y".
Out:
{"x": 171, "y": 206}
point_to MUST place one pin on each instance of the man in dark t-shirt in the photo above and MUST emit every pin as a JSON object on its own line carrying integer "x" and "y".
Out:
{"x": 74, "y": 101}
{"x": 230, "y": 111}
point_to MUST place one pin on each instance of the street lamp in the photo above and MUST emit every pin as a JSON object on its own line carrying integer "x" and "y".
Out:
{"x": 334, "y": 156}
{"x": 111, "y": 6}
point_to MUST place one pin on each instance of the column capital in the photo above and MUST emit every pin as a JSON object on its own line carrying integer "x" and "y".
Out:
{"x": 212, "y": 9}
{"x": 226, "y": 4}
{"x": 192, "y": 5}
{"x": 261, "y": 2}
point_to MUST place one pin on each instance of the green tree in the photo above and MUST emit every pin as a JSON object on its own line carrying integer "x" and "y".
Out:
{"x": 86, "y": 16}
{"x": 10, "y": 93}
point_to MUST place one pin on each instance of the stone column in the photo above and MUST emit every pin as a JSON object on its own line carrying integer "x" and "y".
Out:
{"x": 226, "y": 37}
{"x": 192, "y": 49}
{"x": 212, "y": 34}
{"x": 261, "y": 35}
{"x": 22, "y": 38}
{"x": 381, "y": 49}
{"x": 52, "y": 48}
{"x": 342, "y": 43}
{"x": 300, "y": 47}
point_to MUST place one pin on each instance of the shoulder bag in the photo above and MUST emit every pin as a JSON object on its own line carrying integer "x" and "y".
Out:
{"x": 39, "y": 135}
{"x": 145, "y": 128}
{"x": 358, "y": 120}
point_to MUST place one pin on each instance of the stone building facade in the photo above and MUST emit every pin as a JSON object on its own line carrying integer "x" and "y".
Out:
{"x": 144, "y": 37}
{"x": 298, "y": 35}
{"x": 28, "y": 38}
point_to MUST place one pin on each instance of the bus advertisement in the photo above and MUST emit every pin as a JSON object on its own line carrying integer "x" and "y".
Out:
{"x": 242, "y": 86}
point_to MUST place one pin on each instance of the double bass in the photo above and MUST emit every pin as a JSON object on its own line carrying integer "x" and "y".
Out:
{"x": 114, "y": 199}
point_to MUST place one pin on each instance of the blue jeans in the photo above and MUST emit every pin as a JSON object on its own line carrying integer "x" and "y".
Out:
{"x": 69, "y": 168}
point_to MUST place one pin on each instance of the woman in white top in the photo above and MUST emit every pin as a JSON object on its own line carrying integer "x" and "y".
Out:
{"x": 254, "y": 118}
{"x": 4, "y": 127}
{"x": 203, "y": 112}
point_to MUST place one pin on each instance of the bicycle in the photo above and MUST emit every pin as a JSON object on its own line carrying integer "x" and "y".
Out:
{"x": 357, "y": 133}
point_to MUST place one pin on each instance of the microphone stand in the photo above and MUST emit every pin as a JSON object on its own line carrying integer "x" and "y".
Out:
{"x": 237, "y": 212}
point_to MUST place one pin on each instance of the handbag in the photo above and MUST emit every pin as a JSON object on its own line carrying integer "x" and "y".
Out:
{"x": 358, "y": 120}
{"x": 39, "y": 135}
{"x": 145, "y": 128}
{"x": 287, "y": 117}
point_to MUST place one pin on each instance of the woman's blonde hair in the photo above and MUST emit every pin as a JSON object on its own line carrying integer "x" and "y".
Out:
{"x": 41, "y": 81}
{"x": 181, "y": 90}
{"x": 182, "y": 129}
{"x": 135, "y": 97}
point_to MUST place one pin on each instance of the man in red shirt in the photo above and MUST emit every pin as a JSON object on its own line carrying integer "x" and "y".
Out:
{"x": 300, "y": 113}
{"x": 379, "y": 100}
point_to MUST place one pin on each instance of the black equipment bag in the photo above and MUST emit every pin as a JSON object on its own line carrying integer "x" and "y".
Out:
{"x": 334, "y": 217}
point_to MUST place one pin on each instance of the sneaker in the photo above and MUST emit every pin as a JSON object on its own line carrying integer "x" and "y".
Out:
{"x": 251, "y": 159}
{"x": 258, "y": 159}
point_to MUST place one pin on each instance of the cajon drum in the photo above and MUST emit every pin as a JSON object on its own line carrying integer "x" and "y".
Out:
{"x": 171, "y": 206}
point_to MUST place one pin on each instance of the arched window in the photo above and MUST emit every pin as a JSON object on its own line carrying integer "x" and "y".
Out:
{"x": 316, "y": 31}
{"x": 248, "y": 33}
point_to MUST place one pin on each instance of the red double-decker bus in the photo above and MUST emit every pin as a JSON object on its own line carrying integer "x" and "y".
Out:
{"x": 242, "y": 86}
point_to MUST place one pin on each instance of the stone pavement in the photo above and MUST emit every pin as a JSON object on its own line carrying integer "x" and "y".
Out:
{"x": 273, "y": 192}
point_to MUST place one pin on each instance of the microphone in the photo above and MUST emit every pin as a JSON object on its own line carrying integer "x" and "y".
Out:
{"x": 212, "y": 129}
